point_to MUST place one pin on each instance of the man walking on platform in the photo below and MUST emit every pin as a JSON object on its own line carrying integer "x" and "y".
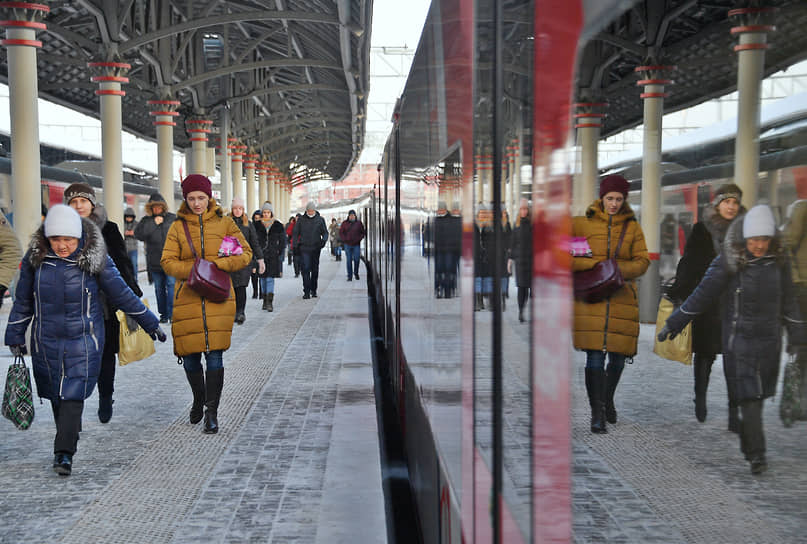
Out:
{"x": 310, "y": 236}
{"x": 352, "y": 233}
{"x": 152, "y": 230}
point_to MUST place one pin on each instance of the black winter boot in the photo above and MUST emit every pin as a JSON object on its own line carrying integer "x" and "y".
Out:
{"x": 105, "y": 408}
{"x": 595, "y": 386}
{"x": 702, "y": 369}
{"x": 197, "y": 381}
{"x": 612, "y": 376}
{"x": 214, "y": 381}
{"x": 265, "y": 302}
{"x": 479, "y": 303}
{"x": 270, "y": 297}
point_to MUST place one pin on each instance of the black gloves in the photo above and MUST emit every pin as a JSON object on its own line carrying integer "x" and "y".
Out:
{"x": 18, "y": 350}
{"x": 3, "y": 290}
{"x": 667, "y": 333}
{"x": 158, "y": 334}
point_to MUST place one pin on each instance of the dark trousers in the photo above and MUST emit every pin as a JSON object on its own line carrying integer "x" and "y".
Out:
{"x": 240, "y": 299}
{"x": 67, "y": 415}
{"x": 297, "y": 264}
{"x": 523, "y": 296}
{"x": 255, "y": 285}
{"x": 106, "y": 376}
{"x": 752, "y": 437}
{"x": 310, "y": 269}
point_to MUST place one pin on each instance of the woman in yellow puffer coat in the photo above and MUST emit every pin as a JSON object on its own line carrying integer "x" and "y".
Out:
{"x": 199, "y": 325}
{"x": 611, "y": 326}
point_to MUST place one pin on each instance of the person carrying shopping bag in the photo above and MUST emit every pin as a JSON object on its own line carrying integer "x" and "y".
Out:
{"x": 199, "y": 325}
{"x": 62, "y": 277}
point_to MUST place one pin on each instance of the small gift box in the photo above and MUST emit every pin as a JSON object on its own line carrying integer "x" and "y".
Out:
{"x": 230, "y": 246}
{"x": 578, "y": 247}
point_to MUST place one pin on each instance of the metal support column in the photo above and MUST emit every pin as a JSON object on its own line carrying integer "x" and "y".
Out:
{"x": 238, "y": 170}
{"x": 21, "y": 22}
{"x": 225, "y": 163}
{"x": 249, "y": 174}
{"x": 752, "y": 32}
{"x": 263, "y": 193}
{"x": 112, "y": 75}
{"x": 198, "y": 127}
{"x": 165, "y": 112}
{"x": 589, "y": 118}
{"x": 653, "y": 96}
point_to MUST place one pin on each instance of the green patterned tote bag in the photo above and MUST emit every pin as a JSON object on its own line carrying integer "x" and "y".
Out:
{"x": 18, "y": 399}
{"x": 790, "y": 409}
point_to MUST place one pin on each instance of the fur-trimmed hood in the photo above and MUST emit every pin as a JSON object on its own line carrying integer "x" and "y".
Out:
{"x": 89, "y": 257}
{"x": 735, "y": 253}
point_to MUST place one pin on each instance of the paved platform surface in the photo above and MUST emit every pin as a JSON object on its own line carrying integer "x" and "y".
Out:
{"x": 296, "y": 459}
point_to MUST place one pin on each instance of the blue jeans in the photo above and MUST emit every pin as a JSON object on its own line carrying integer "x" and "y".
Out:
{"x": 596, "y": 360}
{"x": 193, "y": 362}
{"x": 164, "y": 291}
{"x": 352, "y": 260}
{"x": 483, "y": 286}
{"x": 310, "y": 268}
{"x": 267, "y": 285}
{"x": 133, "y": 258}
{"x": 338, "y": 251}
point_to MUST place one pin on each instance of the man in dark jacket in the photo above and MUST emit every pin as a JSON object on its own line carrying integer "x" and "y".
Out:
{"x": 129, "y": 224}
{"x": 310, "y": 236}
{"x": 352, "y": 233}
{"x": 152, "y": 230}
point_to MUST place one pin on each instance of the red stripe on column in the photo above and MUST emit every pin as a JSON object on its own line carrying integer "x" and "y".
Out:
{"x": 103, "y": 92}
{"x": 31, "y": 43}
{"x": 25, "y": 24}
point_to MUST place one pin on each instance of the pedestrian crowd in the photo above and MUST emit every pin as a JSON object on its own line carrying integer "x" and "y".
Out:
{"x": 79, "y": 272}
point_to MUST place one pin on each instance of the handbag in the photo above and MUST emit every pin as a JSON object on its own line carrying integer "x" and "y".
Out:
{"x": 790, "y": 405}
{"x": 603, "y": 280}
{"x": 135, "y": 343}
{"x": 679, "y": 348}
{"x": 205, "y": 278}
{"x": 18, "y": 398}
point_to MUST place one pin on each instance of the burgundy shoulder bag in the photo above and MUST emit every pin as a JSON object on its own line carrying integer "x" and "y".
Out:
{"x": 603, "y": 280}
{"x": 206, "y": 279}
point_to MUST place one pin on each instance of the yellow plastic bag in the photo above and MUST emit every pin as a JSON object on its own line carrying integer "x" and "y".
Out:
{"x": 134, "y": 346}
{"x": 679, "y": 348}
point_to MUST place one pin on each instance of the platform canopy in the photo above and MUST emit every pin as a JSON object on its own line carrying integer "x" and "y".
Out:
{"x": 694, "y": 39}
{"x": 294, "y": 74}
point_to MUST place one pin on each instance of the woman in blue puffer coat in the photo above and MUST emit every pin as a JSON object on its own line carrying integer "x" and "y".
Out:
{"x": 751, "y": 280}
{"x": 58, "y": 293}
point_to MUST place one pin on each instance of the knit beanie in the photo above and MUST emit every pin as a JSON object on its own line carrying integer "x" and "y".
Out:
{"x": 129, "y": 213}
{"x": 62, "y": 220}
{"x": 76, "y": 190}
{"x": 614, "y": 184}
{"x": 759, "y": 221}
{"x": 238, "y": 202}
{"x": 268, "y": 207}
{"x": 441, "y": 205}
{"x": 351, "y": 212}
{"x": 310, "y": 206}
{"x": 729, "y": 190}
{"x": 196, "y": 182}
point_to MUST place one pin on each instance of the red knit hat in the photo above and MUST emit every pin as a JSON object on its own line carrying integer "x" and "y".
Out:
{"x": 614, "y": 183}
{"x": 196, "y": 182}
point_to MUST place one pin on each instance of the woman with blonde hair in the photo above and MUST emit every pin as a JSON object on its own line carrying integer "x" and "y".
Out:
{"x": 200, "y": 325}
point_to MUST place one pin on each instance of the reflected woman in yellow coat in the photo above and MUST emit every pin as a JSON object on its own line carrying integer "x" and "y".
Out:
{"x": 609, "y": 327}
{"x": 199, "y": 325}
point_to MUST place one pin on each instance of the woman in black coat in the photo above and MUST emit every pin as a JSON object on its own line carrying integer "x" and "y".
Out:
{"x": 703, "y": 245}
{"x": 272, "y": 240}
{"x": 750, "y": 282}
{"x": 255, "y": 275}
{"x": 241, "y": 277}
{"x": 522, "y": 255}
{"x": 81, "y": 197}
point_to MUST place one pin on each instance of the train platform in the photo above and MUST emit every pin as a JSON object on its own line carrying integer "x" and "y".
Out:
{"x": 296, "y": 459}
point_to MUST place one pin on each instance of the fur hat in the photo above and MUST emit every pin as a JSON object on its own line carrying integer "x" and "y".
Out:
{"x": 83, "y": 190}
{"x": 62, "y": 220}
{"x": 614, "y": 184}
{"x": 196, "y": 182}
{"x": 759, "y": 221}
{"x": 728, "y": 190}
{"x": 268, "y": 207}
{"x": 238, "y": 201}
